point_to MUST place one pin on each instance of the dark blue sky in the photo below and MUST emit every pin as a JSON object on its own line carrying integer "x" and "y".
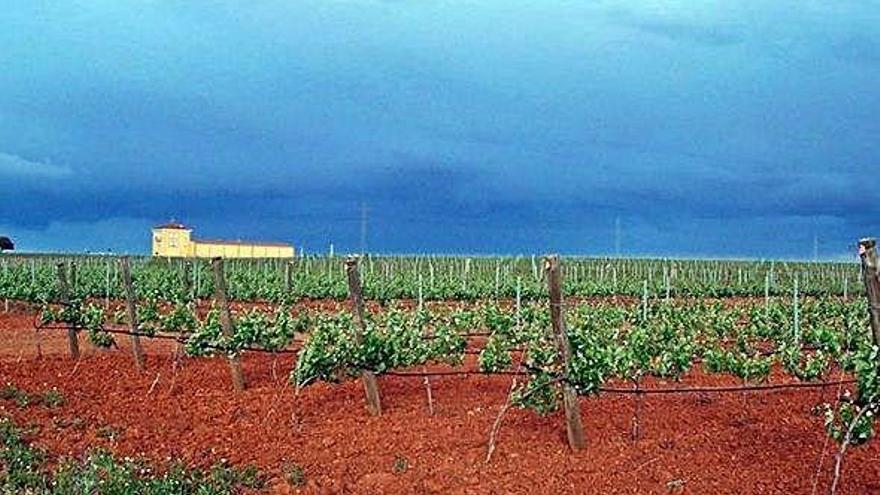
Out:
{"x": 728, "y": 128}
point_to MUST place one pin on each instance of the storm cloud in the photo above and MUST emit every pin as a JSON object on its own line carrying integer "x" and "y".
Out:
{"x": 726, "y": 129}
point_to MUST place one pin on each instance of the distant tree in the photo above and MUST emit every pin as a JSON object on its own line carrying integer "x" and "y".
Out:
{"x": 6, "y": 244}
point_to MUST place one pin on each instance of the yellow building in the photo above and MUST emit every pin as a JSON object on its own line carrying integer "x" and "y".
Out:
{"x": 175, "y": 240}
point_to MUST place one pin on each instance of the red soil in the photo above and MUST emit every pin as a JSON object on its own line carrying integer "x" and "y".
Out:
{"x": 757, "y": 443}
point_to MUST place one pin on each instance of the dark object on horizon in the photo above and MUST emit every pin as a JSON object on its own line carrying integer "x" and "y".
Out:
{"x": 6, "y": 244}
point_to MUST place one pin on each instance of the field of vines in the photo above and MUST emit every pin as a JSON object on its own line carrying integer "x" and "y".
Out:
{"x": 384, "y": 278}
{"x": 754, "y": 321}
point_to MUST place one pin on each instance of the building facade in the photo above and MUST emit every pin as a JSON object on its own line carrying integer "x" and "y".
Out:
{"x": 174, "y": 240}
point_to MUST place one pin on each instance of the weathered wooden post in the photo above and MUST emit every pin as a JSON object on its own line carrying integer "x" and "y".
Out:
{"x": 5, "y": 299}
{"x": 797, "y": 312}
{"x": 421, "y": 295}
{"x": 573, "y": 425}
{"x": 371, "y": 388}
{"x": 428, "y": 391}
{"x": 288, "y": 277}
{"x": 871, "y": 275}
{"x": 226, "y": 322}
{"x": 518, "y": 303}
{"x": 131, "y": 308}
{"x": 64, "y": 293}
{"x": 186, "y": 280}
{"x": 497, "y": 277}
{"x": 107, "y": 284}
{"x": 667, "y": 281}
{"x": 197, "y": 280}
{"x": 72, "y": 282}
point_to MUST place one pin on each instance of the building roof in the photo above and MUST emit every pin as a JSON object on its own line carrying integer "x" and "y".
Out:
{"x": 172, "y": 225}
{"x": 240, "y": 242}
{"x": 179, "y": 226}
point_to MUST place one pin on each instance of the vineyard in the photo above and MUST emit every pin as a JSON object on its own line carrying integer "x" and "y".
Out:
{"x": 552, "y": 330}
{"x": 34, "y": 278}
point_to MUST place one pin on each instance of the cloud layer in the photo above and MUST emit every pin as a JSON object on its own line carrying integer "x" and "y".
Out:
{"x": 729, "y": 128}
{"x": 12, "y": 166}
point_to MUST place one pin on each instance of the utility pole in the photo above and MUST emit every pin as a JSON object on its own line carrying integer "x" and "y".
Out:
{"x": 815, "y": 247}
{"x": 617, "y": 237}
{"x": 363, "y": 228}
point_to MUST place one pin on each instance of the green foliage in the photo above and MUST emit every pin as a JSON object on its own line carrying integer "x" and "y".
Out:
{"x": 54, "y": 398}
{"x": 150, "y": 321}
{"x": 181, "y": 319}
{"x": 539, "y": 394}
{"x": 387, "y": 278}
{"x": 208, "y": 337}
{"x": 331, "y": 347}
{"x": 390, "y": 341}
{"x": 401, "y": 464}
{"x": 78, "y": 316}
{"x": 495, "y": 356}
{"x": 594, "y": 353}
{"x": 294, "y": 474}
{"x": 750, "y": 366}
{"x": 607, "y": 342}
{"x": 23, "y": 469}
{"x": 20, "y": 465}
{"x": 13, "y": 393}
{"x": 852, "y": 418}
{"x": 51, "y": 398}
{"x": 849, "y": 421}
{"x": 447, "y": 345}
{"x": 108, "y": 432}
{"x": 254, "y": 329}
{"x": 806, "y": 366}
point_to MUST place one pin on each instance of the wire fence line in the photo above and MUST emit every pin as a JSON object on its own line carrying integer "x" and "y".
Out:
{"x": 765, "y": 387}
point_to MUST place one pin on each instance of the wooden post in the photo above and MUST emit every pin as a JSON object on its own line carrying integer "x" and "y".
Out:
{"x": 421, "y": 294}
{"x": 131, "y": 307}
{"x": 371, "y": 388}
{"x": 73, "y": 279}
{"x": 497, "y": 277}
{"x": 666, "y": 281}
{"x": 226, "y": 321}
{"x": 871, "y": 275}
{"x": 107, "y": 285}
{"x": 288, "y": 277}
{"x": 797, "y": 314}
{"x": 573, "y": 425}
{"x": 64, "y": 292}
{"x": 518, "y": 303}
{"x": 6, "y": 298}
{"x": 428, "y": 392}
{"x": 186, "y": 280}
{"x": 197, "y": 280}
